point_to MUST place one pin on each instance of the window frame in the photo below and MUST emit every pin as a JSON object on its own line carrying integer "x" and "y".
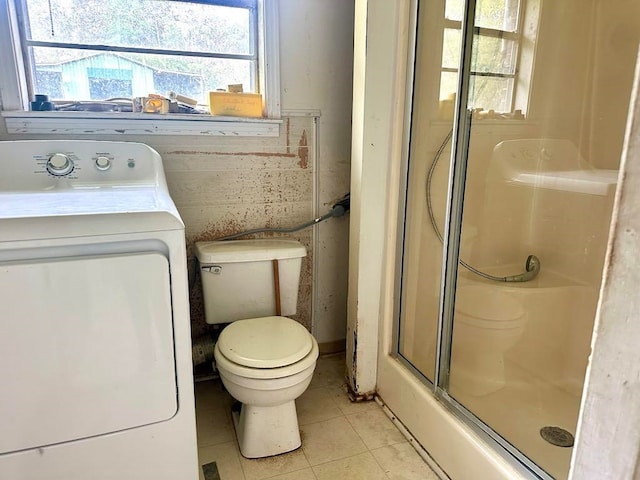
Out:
{"x": 516, "y": 36}
{"x": 14, "y": 91}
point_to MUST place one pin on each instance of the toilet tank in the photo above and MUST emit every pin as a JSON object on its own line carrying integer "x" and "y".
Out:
{"x": 238, "y": 277}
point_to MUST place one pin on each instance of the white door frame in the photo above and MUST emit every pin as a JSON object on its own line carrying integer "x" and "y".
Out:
{"x": 382, "y": 48}
{"x": 378, "y": 100}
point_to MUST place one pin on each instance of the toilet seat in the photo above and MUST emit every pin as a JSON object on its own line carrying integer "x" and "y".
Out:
{"x": 268, "y": 347}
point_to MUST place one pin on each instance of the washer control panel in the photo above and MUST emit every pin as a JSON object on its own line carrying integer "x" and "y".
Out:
{"x": 64, "y": 164}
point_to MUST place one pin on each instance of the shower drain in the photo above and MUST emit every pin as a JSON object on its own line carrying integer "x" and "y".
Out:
{"x": 557, "y": 436}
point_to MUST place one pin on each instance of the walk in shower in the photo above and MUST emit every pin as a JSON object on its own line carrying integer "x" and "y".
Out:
{"x": 518, "y": 112}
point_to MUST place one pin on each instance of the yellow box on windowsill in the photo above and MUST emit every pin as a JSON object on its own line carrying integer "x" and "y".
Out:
{"x": 235, "y": 104}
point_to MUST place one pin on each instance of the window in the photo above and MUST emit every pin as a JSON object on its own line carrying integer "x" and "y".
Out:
{"x": 82, "y": 53}
{"x": 496, "y": 53}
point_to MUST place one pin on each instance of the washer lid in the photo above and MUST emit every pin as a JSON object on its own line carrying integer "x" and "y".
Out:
{"x": 267, "y": 342}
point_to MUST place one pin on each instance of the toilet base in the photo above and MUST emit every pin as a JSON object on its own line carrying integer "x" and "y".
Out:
{"x": 268, "y": 430}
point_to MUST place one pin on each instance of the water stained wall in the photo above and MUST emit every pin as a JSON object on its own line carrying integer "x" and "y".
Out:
{"x": 316, "y": 61}
{"x": 226, "y": 185}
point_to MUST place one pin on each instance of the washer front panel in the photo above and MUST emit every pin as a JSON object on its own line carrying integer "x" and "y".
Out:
{"x": 87, "y": 347}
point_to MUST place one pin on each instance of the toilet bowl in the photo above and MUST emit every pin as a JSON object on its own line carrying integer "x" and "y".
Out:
{"x": 265, "y": 359}
{"x": 266, "y": 363}
{"x": 487, "y": 323}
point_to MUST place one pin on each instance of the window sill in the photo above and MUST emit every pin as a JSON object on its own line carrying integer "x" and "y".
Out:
{"x": 92, "y": 123}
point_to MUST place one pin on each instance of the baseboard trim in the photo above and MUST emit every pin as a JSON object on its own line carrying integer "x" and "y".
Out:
{"x": 336, "y": 346}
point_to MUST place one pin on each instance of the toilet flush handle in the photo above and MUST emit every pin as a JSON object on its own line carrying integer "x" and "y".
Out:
{"x": 215, "y": 269}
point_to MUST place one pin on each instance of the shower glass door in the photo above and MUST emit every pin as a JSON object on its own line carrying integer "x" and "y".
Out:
{"x": 510, "y": 184}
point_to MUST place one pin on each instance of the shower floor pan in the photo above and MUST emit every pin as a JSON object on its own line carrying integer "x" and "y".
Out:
{"x": 519, "y": 410}
{"x": 544, "y": 371}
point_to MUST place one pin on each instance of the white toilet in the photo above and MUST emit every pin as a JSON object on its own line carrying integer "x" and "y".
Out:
{"x": 265, "y": 360}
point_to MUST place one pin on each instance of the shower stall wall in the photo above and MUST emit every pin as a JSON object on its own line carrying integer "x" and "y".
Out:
{"x": 531, "y": 169}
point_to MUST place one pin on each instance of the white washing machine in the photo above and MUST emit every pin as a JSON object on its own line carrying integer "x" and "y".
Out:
{"x": 95, "y": 354}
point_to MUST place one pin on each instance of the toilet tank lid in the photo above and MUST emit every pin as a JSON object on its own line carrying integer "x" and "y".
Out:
{"x": 249, "y": 250}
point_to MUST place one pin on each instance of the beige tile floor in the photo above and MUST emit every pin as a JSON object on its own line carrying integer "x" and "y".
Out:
{"x": 340, "y": 440}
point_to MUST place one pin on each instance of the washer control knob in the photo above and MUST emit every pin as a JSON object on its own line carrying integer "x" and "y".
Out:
{"x": 103, "y": 163}
{"x": 59, "y": 164}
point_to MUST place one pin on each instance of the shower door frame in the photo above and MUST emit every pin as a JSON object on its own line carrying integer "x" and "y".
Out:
{"x": 499, "y": 457}
{"x": 382, "y": 27}
{"x": 462, "y": 123}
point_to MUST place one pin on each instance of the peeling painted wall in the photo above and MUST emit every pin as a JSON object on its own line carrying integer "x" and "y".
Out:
{"x": 215, "y": 179}
{"x": 316, "y": 41}
{"x": 224, "y": 185}
{"x": 228, "y": 185}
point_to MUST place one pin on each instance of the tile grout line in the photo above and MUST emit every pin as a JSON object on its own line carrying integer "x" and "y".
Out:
{"x": 288, "y": 473}
{"x": 237, "y": 451}
{"x": 431, "y": 463}
{"x": 233, "y": 440}
{"x": 341, "y": 458}
{"x": 362, "y": 438}
{"x": 346, "y": 416}
{"x": 335, "y": 404}
{"x": 369, "y": 450}
{"x": 306, "y": 458}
